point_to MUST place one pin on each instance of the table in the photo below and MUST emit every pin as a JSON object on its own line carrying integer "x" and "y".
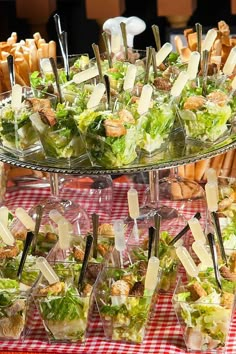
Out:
{"x": 163, "y": 335}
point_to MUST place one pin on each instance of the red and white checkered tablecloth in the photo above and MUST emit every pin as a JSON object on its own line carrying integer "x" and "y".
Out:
{"x": 163, "y": 334}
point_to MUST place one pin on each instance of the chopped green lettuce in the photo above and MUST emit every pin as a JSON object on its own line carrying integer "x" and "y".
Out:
{"x": 155, "y": 127}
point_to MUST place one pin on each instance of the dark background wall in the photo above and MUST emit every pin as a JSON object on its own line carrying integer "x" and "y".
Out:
{"x": 83, "y": 32}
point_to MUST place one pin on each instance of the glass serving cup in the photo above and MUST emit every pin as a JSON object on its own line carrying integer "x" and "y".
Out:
{"x": 30, "y": 272}
{"x": 44, "y": 79}
{"x": 155, "y": 127}
{"x": 16, "y": 130}
{"x": 13, "y": 314}
{"x": 204, "y": 314}
{"x": 169, "y": 262}
{"x": 110, "y": 140}
{"x": 63, "y": 310}
{"x": 123, "y": 306}
{"x": 77, "y": 63}
{"x": 60, "y": 137}
{"x": 205, "y": 119}
{"x": 119, "y": 67}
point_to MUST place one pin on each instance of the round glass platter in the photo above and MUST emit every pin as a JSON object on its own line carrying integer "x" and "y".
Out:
{"x": 177, "y": 152}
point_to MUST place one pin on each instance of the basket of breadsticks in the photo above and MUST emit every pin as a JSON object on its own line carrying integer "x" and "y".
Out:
{"x": 224, "y": 165}
{"x": 26, "y": 54}
{"x": 220, "y": 50}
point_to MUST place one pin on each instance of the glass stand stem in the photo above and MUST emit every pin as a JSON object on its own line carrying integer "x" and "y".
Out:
{"x": 154, "y": 186}
{"x": 54, "y": 185}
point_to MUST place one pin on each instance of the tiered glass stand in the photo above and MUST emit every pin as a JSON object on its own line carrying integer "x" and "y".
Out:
{"x": 177, "y": 153}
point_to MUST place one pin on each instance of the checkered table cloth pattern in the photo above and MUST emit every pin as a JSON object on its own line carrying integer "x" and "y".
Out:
{"x": 163, "y": 333}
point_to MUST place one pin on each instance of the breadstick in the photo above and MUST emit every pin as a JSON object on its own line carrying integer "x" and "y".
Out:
{"x": 227, "y": 164}
{"x": 10, "y": 41}
{"x": 44, "y": 49}
{"x": 37, "y": 36}
{"x": 217, "y": 47}
{"x": 4, "y": 46}
{"x": 189, "y": 171}
{"x": 23, "y": 69}
{"x": 185, "y": 54}
{"x": 33, "y": 58}
{"x": 14, "y": 35}
{"x": 4, "y": 55}
{"x": 181, "y": 171}
{"x": 187, "y": 31}
{"x": 178, "y": 44}
{"x": 216, "y": 163}
{"x": 233, "y": 169}
{"x": 192, "y": 41}
{"x": 6, "y": 85}
{"x": 176, "y": 191}
{"x": 26, "y": 54}
{"x": 18, "y": 54}
{"x": 39, "y": 54}
{"x": 225, "y": 52}
{"x": 1, "y": 80}
{"x": 19, "y": 79}
{"x": 40, "y": 42}
{"x": 29, "y": 42}
{"x": 52, "y": 49}
{"x": 200, "y": 168}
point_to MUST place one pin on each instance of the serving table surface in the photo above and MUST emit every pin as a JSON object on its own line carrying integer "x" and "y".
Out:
{"x": 163, "y": 334}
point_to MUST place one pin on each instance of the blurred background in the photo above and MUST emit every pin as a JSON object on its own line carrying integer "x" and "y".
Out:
{"x": 82, "y": 19}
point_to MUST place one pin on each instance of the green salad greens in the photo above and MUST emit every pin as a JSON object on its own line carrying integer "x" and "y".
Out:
{"x": 110, "y": 140}
{"x": 16, "y": 130}
{"x": 64, "y": 310}
{"x": 205, "y": 118}
{"x": 129, "y": 319}
{"x": 169, "y": 261}
{"x": 229, "y": 234}
{"x": 155, "y": 126}
{"x": 65, "y": 314}
{"x": 208, "y": 124}
{"x": 118, "y": 71}
{"x": 123, "y": 304}
{"x": 29, "y": 274}
{"x": 44, "y": 80}
{"x": 61, "y": 139}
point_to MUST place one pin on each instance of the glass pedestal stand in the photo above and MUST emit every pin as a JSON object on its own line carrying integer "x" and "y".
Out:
{"x": 153, "y": 203}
